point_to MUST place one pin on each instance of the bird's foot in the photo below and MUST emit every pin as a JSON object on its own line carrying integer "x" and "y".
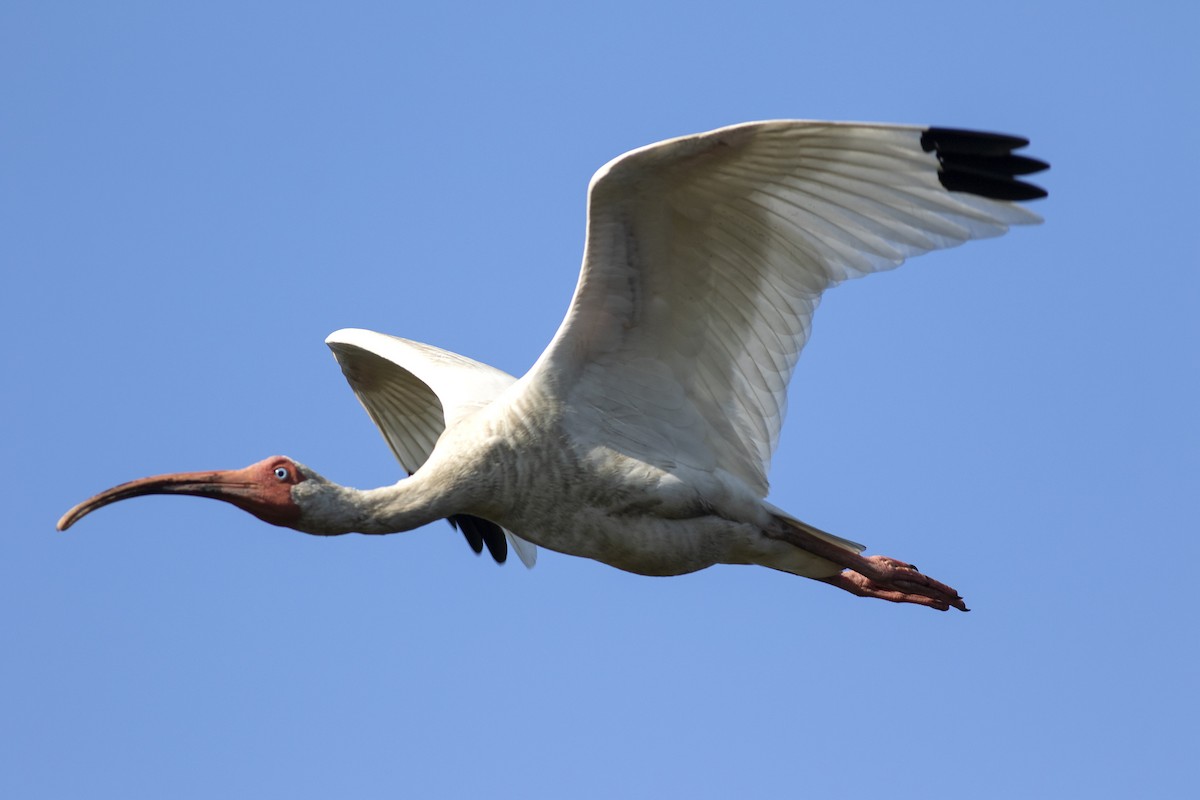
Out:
{"x": 898, "y": 582}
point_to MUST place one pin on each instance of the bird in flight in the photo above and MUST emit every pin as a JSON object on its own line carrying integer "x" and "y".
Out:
{"x": 643, "y": 435}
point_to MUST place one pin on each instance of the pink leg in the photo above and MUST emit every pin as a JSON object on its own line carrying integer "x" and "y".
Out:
{"x": 872, "y": 576}
{"x": 897, "y": 582}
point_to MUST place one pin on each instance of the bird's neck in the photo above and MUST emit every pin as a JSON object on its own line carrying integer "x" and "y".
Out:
{"x": 403, "y": 506}
{"x": 406, "y": 505}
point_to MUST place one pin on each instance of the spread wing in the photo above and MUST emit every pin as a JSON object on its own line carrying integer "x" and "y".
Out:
{"x": 412, "y": 391}
{"x": 706, "y": 257}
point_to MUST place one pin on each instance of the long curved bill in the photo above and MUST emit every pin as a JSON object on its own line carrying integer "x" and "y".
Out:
{"x": 235, "y": 486}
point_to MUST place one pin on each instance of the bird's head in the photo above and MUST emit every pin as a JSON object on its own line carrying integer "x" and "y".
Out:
{"x": 272, "y": 490}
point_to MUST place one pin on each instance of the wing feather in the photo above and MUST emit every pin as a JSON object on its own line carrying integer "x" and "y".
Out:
{"x": 412, "y": 392}
{"x": 707, "y": 255}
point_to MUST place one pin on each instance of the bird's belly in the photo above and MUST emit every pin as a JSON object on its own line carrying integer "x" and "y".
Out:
{"x": 645, "y": 545}
{"x": 606, "y": 506}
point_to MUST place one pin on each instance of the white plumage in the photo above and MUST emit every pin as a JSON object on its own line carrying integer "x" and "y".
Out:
{"x": 643, "y": 435}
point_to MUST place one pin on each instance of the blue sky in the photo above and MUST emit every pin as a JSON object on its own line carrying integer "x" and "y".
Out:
{"x": 193, "y": 195}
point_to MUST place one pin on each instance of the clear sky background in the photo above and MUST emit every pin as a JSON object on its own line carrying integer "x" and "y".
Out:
{"x": 193, "y": 195}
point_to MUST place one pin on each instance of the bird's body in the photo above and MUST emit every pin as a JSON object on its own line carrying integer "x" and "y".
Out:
{"x": 601, "y": 503}
{"x": 642, "y": 436}
{"x": 597, "y": 503}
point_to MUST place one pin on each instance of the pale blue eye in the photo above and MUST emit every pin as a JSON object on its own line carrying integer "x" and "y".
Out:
{"x": 281, "y": 473}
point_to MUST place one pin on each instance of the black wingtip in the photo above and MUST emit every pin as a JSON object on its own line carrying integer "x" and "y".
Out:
{"x": 479, "y": 532}
{"x": 983, "y": 163}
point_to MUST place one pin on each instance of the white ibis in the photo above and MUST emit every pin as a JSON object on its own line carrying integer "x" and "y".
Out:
{"x": 643, "y": 434}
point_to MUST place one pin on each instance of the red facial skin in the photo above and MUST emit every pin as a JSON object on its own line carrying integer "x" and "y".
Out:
{"x": 264, "y": 489}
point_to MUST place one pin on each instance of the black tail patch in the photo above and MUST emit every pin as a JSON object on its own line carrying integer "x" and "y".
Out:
{"x": 479, "y": 532}
{"x": 983, "y": 163}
